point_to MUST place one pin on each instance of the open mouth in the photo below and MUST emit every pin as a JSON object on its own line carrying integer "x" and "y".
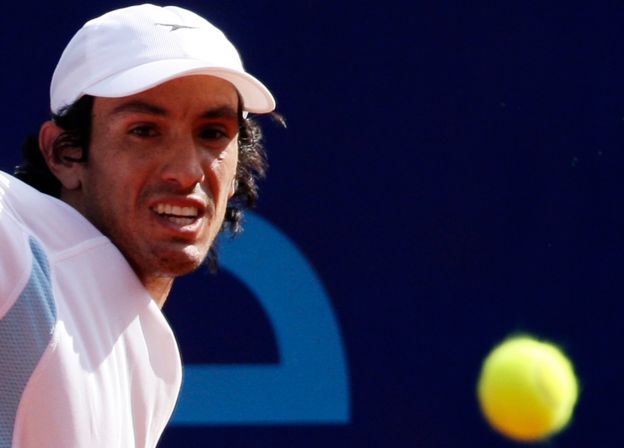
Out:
{"x": 177, "y": 215}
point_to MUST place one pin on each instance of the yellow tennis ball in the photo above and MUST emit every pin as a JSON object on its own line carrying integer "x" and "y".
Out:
{"x": 527, "y": 389}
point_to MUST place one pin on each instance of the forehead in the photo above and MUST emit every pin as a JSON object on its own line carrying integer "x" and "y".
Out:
{"x": 194, "y": 94}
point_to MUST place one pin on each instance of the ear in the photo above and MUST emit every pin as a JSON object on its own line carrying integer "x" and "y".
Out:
{"x": 233, "y": 188}
{"x": 62, "y": 162}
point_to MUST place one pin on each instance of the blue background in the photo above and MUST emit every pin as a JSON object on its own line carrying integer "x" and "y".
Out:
{"x": 452, "y": 172}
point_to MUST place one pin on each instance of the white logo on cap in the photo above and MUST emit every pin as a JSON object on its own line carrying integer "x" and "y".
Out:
{"x": 175, "y": 27}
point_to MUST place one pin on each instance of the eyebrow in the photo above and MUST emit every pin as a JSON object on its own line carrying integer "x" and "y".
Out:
{"x": 138, "y": 106}
{"x": 221, "y": 112}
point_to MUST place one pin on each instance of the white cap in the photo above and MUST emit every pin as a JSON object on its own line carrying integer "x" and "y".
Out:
{"x": 133, "y": 49}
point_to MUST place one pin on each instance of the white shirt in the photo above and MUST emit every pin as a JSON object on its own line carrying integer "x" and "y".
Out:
{"x": 86, "y": 357}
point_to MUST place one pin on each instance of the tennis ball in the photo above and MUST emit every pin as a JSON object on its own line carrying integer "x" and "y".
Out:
{"x": 527, "y": 389}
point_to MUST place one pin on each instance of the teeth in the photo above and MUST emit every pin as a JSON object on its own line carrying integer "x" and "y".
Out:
{"x": 180, "y": 221}
{"x": 168, "y": 209}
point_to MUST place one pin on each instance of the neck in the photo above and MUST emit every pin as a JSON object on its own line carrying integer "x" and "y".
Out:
{"x": 159, "y": 288}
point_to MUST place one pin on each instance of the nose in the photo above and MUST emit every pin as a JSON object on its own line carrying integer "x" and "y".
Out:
{"x": 183, "y": 167}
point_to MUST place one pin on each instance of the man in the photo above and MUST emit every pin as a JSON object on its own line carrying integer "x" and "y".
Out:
{"x": 149, "y": 151}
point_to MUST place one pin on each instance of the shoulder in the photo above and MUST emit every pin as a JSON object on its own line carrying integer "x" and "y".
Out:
{"x": 54, "y": 223}
{"x": 16, "y": 256}
{"x": 27, "y": 216}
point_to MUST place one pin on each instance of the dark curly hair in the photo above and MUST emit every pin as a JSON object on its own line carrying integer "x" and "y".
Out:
{"x": 75, "y": 121}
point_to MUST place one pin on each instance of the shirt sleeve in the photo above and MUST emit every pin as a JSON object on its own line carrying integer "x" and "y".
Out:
{"x": 15, "y": 255}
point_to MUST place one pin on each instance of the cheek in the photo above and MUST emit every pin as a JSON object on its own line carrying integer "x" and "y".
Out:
{"x": 111, "y": 189}
{"x": 107, "y": 199}
{"x": 224, "y": 169}
{"x": 232, "y": 181}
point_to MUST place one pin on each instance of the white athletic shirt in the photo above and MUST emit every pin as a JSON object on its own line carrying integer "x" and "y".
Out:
{"x": 86, "y": 357}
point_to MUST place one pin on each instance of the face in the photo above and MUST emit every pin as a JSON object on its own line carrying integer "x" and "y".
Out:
{"x": 161, "y": 169}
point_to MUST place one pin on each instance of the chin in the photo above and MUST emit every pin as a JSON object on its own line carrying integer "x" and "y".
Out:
{"x": 177, "y": 266}
{"x": 174, "y": 263}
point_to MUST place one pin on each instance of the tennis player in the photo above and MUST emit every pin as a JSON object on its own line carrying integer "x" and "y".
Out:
{"x": 150, "y": 153}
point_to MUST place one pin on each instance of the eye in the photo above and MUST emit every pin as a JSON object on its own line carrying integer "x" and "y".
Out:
{"x": 212, "y": 133}
{"x": 143, "y": 130}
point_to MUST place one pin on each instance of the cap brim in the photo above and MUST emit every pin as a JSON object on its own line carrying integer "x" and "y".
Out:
{"x": 256, "y": 97}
